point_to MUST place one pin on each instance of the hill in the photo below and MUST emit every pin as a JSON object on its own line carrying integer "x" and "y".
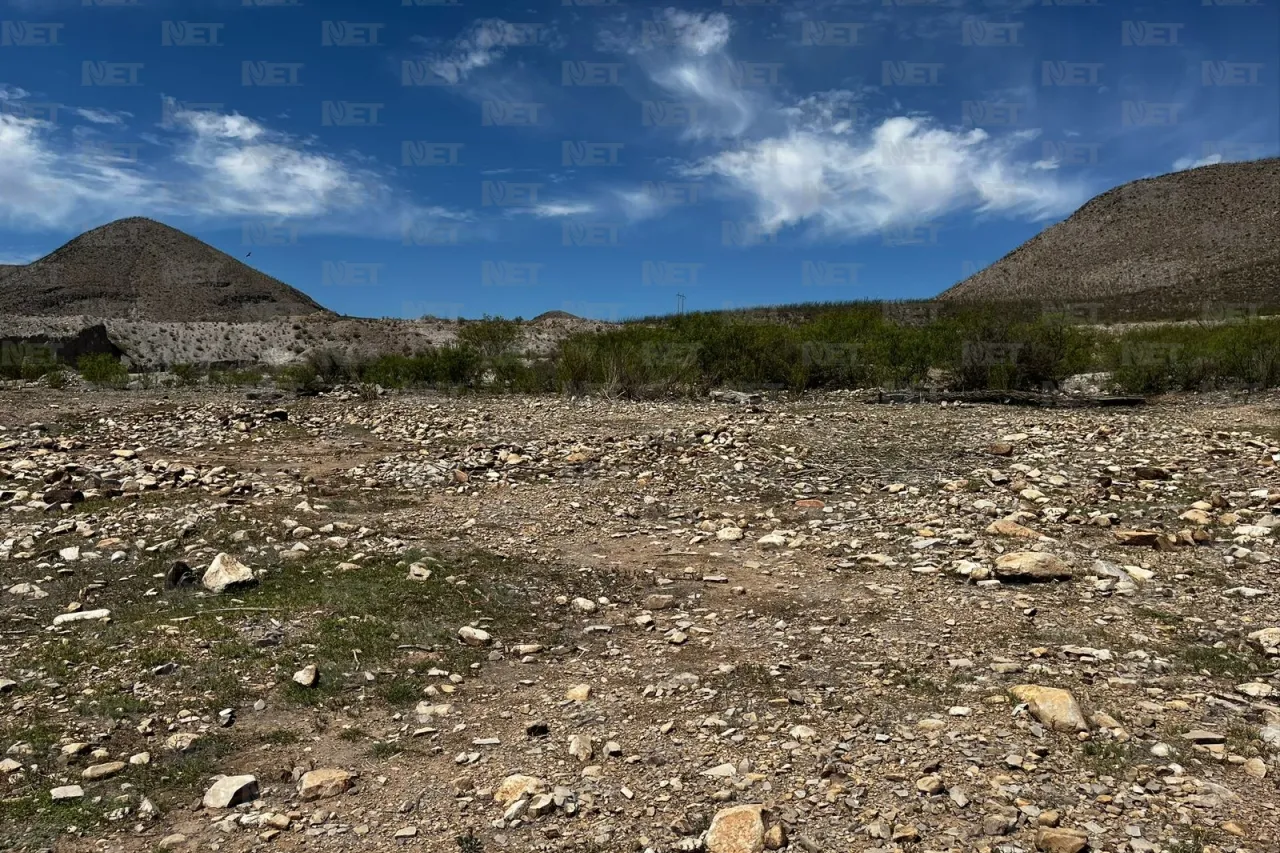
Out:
{"x": 140, "y": 269}
{"x": 1204, "y": 235}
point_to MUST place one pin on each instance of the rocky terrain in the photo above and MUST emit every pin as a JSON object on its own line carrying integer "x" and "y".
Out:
{"x": 1211, "y": 232}
{"x": 512, "y": 623}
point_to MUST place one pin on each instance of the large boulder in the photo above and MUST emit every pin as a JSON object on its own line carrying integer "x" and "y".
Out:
{"x": 737, "y": 830}
{"x": 231, "y": 791}
{"x": 1031, "y": 566}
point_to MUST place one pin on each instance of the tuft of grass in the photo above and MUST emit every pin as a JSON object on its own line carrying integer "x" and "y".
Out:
{"x": 1219, "y": 663}
{"x": 1108, "y": 757}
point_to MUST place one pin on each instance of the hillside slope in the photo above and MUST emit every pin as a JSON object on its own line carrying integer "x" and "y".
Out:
{"x": 1207, "y": 234}
{"x": 140, "y": 269}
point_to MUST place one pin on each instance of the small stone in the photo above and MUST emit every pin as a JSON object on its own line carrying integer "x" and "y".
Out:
{"x": 66, "y": 792}
{"x": 173, "y": 840}
{"x": 406, "y": 832}
{"x": 474, "y": 636}
{"x": 931, "y": 784}
{"x": 518, "y": 787}
{"x": 308, "y": 676}
{"x": 81, "y": 616}
{"x": 1256, "y": 767}
{"x": 578, "y": 693}
{"x": 1204, "y": 737}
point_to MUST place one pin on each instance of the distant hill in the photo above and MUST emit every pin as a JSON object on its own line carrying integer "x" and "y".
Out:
{"x": 6, "y": 269}
{"x": 140, "y": 269}
{"x": 1204, "y": 235}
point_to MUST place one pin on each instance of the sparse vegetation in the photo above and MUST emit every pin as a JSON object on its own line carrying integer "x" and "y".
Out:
{"x": 103, "y": 370}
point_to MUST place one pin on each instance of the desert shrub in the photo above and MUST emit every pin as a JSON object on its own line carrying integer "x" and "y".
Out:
{"x": 492, "y": 337}
{"x": 56, "y": 378}
{"x": 103, "y": 370}
{"x": 186, "y": 374}
{"x": 330, "y": 365}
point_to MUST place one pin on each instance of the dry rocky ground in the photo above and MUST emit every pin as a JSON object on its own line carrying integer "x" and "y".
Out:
{"x": 486, "y": 624}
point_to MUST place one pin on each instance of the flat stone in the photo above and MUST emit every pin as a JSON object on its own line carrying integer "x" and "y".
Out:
{"x": 1031, "y": 566}
{"x": 1051, "y": 840}
{"x": 82, "y": 616}
{"x": 66, "y": 792}
{"x": 474, "y": 636}
{"x": 516, "y": 787}
{"x": 103, "y": 771}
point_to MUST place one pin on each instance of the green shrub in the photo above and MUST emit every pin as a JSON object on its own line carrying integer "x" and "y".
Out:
{"x": 103, "y": 370}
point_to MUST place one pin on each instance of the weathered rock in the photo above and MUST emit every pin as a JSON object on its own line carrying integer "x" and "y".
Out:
{"x": 308, "y": 676}
{"x": 66, "y": 792}
{"x": 1011, "y": 528}
{"x": 1052, "y": 706}
{"x": 474, "y": 636}
{"x": 1031, "y": 566}
{"x": 737, "y": 830}
{"x": 226, "y": 572}
{"x": 323, "y": 783}
{"x": 1051, "y": 840}
{"x": 103, "y": 771}
{"x": 82, "y": 616}
{"x": 231, "y": 791}
{"x": 518, "y": 786}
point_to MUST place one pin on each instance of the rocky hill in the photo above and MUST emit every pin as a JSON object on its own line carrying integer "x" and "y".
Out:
{"x": 1207, "y": 234}
{"x": 142, "y": 270}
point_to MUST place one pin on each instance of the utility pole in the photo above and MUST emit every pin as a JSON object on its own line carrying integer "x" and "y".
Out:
{"x": 679, "y": 303}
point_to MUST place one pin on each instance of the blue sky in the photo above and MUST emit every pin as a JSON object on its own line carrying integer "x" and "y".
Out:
{"x": 405, "y": 157}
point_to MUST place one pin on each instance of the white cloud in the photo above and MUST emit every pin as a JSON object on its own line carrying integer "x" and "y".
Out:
{"x": 906, "y": 170}
{"x": 221, "y": 166}
{"x": 102, "y": 116}
{"x": 698, "y": 33}
{"x": 1184, "y": 163}
{"x": 483, "y": 44}
{"x": 554, "y": 210}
